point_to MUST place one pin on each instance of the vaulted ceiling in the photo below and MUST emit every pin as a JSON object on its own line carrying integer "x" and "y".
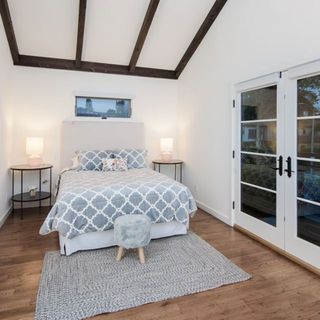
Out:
{"x": 153, "y": 38}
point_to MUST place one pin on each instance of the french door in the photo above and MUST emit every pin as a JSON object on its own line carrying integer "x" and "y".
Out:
{"x": 277, "y": 183}
{"x": 260, "y": 152}
{"x": 302, "y": 236}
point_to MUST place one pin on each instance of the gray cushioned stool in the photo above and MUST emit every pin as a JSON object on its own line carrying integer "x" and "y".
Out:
{"x": 131, "y": 232}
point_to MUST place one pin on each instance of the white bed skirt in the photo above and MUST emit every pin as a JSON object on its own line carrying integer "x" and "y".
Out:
{"x": 103, "y": 239}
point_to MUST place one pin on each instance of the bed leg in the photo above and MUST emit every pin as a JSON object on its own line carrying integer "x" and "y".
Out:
{"x": 63, "y": 251}
{"x": 120, "y": 253}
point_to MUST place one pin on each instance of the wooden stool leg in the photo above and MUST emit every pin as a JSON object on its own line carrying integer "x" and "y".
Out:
{"x": 141, "y": 255}
{"x": 120, "y": 253}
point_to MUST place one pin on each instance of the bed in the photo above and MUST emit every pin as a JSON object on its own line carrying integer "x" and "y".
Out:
{"x": 88, "y": 202}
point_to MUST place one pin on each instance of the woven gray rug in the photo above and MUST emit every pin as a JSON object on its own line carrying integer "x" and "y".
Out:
{"x": 92, "y": 282}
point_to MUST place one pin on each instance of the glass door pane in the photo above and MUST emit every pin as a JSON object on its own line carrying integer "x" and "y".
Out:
{"x": 258, "y": 154}
{"x": 308, "y": 160}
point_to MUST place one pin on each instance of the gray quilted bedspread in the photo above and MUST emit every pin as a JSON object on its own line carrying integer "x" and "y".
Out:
{"x": 90, "y": 201}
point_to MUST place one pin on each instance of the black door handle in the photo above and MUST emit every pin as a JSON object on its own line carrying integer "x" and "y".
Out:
{"x": 280, "y": 168}
{"x": 289, "y": 168}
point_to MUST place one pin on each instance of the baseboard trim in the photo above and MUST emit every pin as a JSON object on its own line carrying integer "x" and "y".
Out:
{"x": 4, "y": 217}
{"x": 278, "y": 250}
{"x": 215, "y": 213}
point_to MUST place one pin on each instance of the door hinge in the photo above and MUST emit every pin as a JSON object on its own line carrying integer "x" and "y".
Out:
{"x": 233, "y": 205}
{"x": 233, "y": 154}
{"x": 234, "y": 103}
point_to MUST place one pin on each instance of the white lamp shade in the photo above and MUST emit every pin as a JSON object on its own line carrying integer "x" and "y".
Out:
{"x": 166, "y": 145}
{"x": 34, "y": 146}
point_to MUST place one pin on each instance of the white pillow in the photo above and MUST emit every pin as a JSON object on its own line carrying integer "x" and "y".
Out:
{"x": 75, "y": 162}
{"x": 116, "y": 164}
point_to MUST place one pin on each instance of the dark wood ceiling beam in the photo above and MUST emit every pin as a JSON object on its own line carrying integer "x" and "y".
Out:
{"x": 152, "y": 8}
{"x": 65, "y": 64}
{"x": 207, "y": 23}
{"x": 8, "y": 27}
{"x": 81, "y": 25}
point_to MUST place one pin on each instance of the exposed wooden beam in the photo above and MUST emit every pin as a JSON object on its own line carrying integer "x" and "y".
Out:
{"x": 207, "y": 23}
{"x": 152, "y": 8}
{"x": 81, "y": 24}
{"x": 64, "y": 64}
{"x": 8, "y": 27}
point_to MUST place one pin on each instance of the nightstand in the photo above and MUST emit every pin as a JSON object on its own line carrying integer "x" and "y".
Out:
{"x": 174, "y": 163}
{"x": 23, "y": 197}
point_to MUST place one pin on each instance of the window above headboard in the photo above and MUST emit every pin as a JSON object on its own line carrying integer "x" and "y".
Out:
{"x": 104, "y": 108}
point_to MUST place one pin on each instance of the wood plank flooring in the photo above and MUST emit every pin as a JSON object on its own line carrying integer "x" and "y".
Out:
{"x": 278, "y": 290}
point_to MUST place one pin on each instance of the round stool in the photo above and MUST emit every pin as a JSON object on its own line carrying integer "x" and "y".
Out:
{"x": 131, "y": 232}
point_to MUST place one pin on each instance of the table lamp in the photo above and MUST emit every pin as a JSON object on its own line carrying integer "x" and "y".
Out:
{"x": 34, "y": 150}
{"x": 166, "y": 148}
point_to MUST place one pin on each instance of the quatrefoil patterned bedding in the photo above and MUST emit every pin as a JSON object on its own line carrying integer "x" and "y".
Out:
{"x": 90, "y": 201}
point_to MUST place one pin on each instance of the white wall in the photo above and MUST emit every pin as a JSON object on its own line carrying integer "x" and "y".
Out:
{"x": 5, "y": 66}
{"x": 42, "y": 98}
{"x": 250, "y": 38}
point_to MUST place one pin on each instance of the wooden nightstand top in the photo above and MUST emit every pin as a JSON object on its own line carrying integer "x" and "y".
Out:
{"x": 27, "y": 167}
{"x": 173, "y": 161}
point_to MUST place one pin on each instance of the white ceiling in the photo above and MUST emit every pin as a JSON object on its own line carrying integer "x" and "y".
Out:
{"x": 49, "y": 28}
{"x": 173, "y": 28}
{"x": 45, "y": 27}
{"x": 112, "y": 28}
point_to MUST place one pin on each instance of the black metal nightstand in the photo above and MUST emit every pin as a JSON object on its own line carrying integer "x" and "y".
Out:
{"x": 25, "y": 196}
{"x": 174, "y": 163}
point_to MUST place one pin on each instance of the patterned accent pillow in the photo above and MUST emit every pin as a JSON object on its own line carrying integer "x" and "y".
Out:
{"x": 91, "y": 160}
{"x": 136, "y": 158}
{"x": 116, "y": 164}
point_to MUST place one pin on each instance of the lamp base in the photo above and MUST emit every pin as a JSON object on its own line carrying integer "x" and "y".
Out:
{"x": 34, "y": 161}
{"x": 167, "y": 156}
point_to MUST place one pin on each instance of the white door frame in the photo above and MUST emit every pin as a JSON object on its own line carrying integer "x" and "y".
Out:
{"x": 287, "y": 97}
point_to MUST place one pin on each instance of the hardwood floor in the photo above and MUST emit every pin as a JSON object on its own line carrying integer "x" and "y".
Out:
{"x": 279, "y": 289}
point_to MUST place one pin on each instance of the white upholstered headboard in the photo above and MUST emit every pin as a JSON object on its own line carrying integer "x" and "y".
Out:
{"x": 99, "y": 135}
